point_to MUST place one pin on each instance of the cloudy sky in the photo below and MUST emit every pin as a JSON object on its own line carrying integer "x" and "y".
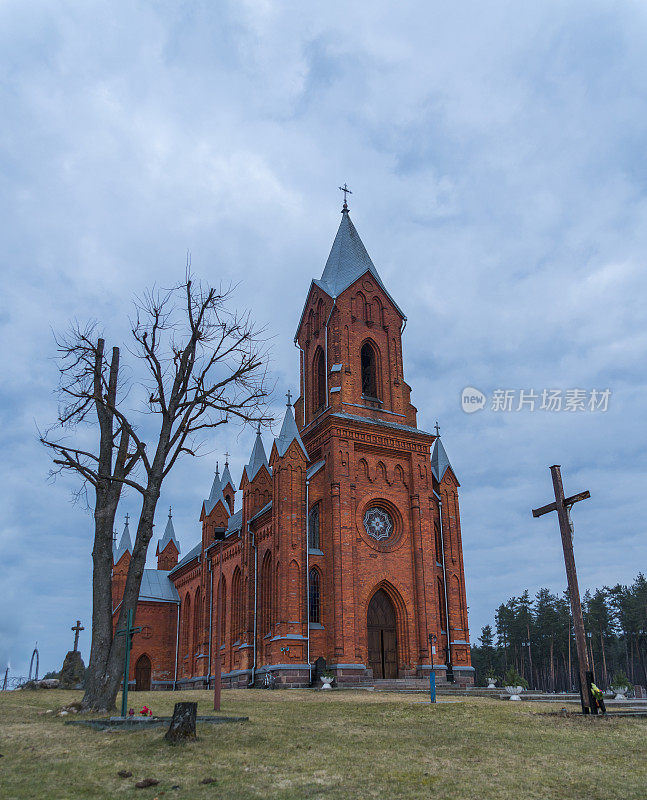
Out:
{"x": 497, "y": 157}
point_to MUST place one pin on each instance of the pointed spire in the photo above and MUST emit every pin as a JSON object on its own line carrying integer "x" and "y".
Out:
{"x": 226, "y": 477}
{"x": 289, "y": 432}
{"x": 125, "y": 545}
{"x": 348, "y": 261}
{"x": 169, "y": 535}
{"x": 215, "y": 494}
{"x": 439, "y": 458}
{"x": 258, "y": 458}
{"x": 216, "y": 491}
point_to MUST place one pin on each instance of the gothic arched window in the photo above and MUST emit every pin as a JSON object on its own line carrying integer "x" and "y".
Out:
{"x": 223, "y": 612}
{"x": 319, "y": 381}
{"x": 266, "y": 595}
{"x": 197, "y": 620}
{"x": 441, "y": 606}
{"x": 313, "y": 528}
{"x": 314, "y": 599}
{"x": 186, "y": 633}
{"x": 368, "y": 358}
{"x": 236, "y": 607}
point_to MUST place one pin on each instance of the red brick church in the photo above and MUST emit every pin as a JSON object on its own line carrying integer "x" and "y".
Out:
{"x": 347, "y": 541}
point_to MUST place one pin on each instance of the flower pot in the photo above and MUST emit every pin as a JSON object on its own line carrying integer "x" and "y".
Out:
{"x": 514, "y": 692}
{"x": 327, "y": 680}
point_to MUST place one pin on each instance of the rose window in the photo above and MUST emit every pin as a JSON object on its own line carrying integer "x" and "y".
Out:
{"x": 378, "y": 523}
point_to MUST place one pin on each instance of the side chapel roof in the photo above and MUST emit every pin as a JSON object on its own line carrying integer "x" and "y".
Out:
{"x": 257, "y": 459}
{"x": 125, "y": 545}
{"x": 169, "y": 536}
{"x": 215, "y": 494}
{"x": 289, "y": 433}
{"x": 439, "y": 460}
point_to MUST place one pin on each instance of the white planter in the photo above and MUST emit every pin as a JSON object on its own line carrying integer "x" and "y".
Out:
{"x": 514, "y": 692}
{"x": 620, "y": 692}
{"x": 491, "y": 683}
{"x": 326, "y": 680}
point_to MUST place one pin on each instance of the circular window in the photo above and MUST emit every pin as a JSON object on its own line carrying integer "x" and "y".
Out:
{"x": 378, "y": 523}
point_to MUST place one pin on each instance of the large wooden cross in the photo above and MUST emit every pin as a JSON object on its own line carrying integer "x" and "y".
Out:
{"x": 563, "y": 506}
{"x": 77, "y": 629}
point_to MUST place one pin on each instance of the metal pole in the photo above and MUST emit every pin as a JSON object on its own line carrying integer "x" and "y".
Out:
{"x": 216, "y": 677}
{"x": 124, "y": 691}
{"x": 573, "y": 589}
{"x": 308, "y": 580}
{"x": 432, "y": 674}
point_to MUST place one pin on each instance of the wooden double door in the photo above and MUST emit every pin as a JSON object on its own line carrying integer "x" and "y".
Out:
{"x": 382, "y": 642}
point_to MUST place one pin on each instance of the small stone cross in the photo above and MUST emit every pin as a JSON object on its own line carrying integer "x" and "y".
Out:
{"x": 77, "y": 629}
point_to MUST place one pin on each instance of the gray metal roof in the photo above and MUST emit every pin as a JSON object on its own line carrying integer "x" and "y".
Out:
{"x": 156, "y": 586}
{"x": 190, "y": 556}
{"x": 169, "y": 535}
{"x": 380, "y": 422}
{"x": 348, "y": 261}
{"x": 124, "y": 545}
{"x": 315, "y": 468}
{"x": 215, "y": 495}
{"x": 439, "y": 460}
{"x": 226, "y": 477}
{"x": 260, "y": 513}
{"x": 235, "y": 521}
{"x": 289, "y": 433}
{"x": 257, "y": 459}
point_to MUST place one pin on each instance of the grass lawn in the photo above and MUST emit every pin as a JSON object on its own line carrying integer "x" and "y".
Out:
{"x": 314, "y": 744}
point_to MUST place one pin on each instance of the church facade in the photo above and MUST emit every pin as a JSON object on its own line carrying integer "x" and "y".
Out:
{"x": 347, "y": 543}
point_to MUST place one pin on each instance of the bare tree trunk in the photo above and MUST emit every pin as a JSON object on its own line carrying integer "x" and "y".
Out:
{"x": 201, "y": 379}
{"x": 109, "y": 688}
{"x": 107, "y": 494}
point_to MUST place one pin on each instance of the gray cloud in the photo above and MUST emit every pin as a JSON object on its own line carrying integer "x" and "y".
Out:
{"x": 497, "y": 158}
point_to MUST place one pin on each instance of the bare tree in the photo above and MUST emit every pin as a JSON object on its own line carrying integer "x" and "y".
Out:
{"x": 203, "y": 366}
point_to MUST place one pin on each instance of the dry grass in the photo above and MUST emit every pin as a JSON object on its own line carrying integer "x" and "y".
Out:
{"x": 306, "y": 744}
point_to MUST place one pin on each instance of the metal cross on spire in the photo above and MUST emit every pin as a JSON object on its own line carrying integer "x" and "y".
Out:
{"x": 127, "y": 518}
{"x": 227, "y": 459}
{"x": 288, "y": 394}
{"x": 346, "y": 191}
{"x": 437, "y": 427}
{"x": 170, "y": 512}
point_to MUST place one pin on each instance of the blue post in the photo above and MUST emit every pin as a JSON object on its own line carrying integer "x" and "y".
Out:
{"x": 432, "y": 685}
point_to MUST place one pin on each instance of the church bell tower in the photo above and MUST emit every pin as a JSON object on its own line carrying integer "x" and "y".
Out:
{"x": 385, "y": 568}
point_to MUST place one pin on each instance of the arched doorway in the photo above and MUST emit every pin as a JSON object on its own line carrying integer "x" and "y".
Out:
{"x": 382, "y": 644}
{"x": 143, "y": 674}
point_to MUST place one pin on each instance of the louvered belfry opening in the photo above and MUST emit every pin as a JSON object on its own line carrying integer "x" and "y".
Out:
{"x": 369, "y": 370}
